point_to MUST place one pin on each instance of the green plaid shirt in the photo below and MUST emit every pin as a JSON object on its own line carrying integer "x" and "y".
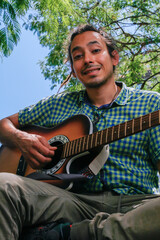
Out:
{"x": 131, "y": 166}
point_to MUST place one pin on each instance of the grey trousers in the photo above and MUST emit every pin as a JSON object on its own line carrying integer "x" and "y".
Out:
{"x": 24, "y": 202}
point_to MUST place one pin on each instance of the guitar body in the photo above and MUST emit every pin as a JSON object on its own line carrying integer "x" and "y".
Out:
{"x": 79, "y": 150}
{"x": 75, "y": 127}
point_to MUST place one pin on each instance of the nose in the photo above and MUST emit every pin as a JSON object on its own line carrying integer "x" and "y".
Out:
{"x": 88, "y": 58}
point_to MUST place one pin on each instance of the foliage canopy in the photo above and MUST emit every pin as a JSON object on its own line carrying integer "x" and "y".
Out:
{"x": 10, "y": 30}
{"x": 134, "y": 24}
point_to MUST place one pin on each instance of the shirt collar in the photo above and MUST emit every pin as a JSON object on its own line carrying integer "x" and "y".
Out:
{"x": 123, "y": 95}
{"x": 120, "y": 100}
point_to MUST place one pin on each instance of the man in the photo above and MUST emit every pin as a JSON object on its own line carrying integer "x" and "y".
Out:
{"x": 118, "y": 203}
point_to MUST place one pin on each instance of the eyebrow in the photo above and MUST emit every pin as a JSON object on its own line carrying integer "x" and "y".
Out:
{"x": 88, "y": 44}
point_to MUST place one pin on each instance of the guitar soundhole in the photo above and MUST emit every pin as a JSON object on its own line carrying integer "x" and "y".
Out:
{"x": 56, "y": 157}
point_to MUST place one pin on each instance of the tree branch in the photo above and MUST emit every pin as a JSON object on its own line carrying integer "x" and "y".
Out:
{"x": 146, "y": 80}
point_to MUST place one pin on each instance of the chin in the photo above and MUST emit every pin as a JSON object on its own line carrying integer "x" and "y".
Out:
{"x": 95, "y": 84}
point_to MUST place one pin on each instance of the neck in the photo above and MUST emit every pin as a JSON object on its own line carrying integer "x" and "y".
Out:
{"x": 104, "y": 94}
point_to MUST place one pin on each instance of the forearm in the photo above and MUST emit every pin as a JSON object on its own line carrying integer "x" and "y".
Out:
{"x": 35, "y": 148}
{"x": 9, "y": 133}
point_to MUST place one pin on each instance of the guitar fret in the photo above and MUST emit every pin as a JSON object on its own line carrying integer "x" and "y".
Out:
{"x": 87, "y": 142}
{"x": 122, "y": 130}
{"x": 67, "y": 149}
{"x": 96, "y": 137}
{"x": 146, "y": 122}
{"x": 116, "y": 132}
{"x": 155, "y": 119}
{"x": 70, "y": 148}
{"x": 125, "y": 129}
{"x": 97, "y": 141}
{"x": 101, "y": 137}
{"x": 129, "y": 127}
{"x": 150, "y": 120}
{"x": 105, "y": 136}
{"x": 83, "y": 145}
{"x": 73, "y": 147}
{"x": 91, "y": 141}
{"x": 140, "y": 123}
{"x": 112, "y": 135}
{"x": 133, "y": 124}
{"x": 78, "y": 146}
{"x": 137, "y": 125}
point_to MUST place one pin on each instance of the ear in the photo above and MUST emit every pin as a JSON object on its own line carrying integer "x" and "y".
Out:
{"x": 115, "y": 57}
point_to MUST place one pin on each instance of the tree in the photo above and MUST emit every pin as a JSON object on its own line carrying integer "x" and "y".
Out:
{"x": 10, "y": 30}
{"x": 135, "y": 24}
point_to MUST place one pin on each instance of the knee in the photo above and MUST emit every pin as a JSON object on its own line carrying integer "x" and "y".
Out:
{"x": 7, "y": 177}
{"x": 8, "y": 181}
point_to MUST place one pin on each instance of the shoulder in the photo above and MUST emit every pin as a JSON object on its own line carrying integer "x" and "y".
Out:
{"x": 58, "y": 99}
{"x": 139, "y": 99}
{"x": 144, "y": 94}
{"x": 68, "y": 97}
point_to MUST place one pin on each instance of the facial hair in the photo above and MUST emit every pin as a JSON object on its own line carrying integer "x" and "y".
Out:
{"x": 98, "y": 83}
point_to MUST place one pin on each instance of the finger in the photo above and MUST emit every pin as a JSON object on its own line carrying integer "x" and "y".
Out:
{"x": 38, "y": 161}
{"x": 46, "y": 148}
{"x": 32, "y": 161}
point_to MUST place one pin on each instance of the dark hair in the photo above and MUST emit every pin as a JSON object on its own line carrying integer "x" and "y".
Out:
{"x": 110, "y": 43}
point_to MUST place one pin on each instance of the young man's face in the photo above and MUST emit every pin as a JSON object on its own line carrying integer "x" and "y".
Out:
{"x": 92, "y": 64}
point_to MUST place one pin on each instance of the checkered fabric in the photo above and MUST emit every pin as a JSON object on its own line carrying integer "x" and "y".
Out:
{"x": 131, "y": 166}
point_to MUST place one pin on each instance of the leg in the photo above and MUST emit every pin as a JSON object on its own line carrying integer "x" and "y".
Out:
{"x": 24, "y": 202}
{"x": 140, "y": 223}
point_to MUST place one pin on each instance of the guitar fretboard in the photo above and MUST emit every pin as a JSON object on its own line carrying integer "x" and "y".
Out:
{"x": 110, "y": 134}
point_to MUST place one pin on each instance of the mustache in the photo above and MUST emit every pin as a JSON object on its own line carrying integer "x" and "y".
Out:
{"x": 91, "y": 66}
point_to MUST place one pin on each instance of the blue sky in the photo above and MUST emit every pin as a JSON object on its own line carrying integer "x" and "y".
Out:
{"x": 21, "y": 81}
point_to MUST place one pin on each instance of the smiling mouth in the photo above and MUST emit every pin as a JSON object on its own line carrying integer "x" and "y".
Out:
{"x": 90, "y": 70}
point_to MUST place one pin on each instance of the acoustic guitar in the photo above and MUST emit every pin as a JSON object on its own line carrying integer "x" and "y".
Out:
{"x": 80, "y": 154}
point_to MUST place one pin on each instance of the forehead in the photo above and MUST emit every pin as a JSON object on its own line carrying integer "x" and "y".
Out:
{"x": 86, "y": 39}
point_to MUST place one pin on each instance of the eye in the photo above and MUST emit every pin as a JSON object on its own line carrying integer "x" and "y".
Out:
{"x": 77, "y": 57}
{"x": 96, "y": 50}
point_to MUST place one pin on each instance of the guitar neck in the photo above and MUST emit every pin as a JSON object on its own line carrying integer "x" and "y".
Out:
{"x": 110, "y": 134}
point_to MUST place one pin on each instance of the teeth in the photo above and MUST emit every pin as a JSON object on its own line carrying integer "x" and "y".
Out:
{"x": 92, "y": 70}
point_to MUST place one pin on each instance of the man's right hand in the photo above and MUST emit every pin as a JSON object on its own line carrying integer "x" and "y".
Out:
{"x": 35, "y": 149}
